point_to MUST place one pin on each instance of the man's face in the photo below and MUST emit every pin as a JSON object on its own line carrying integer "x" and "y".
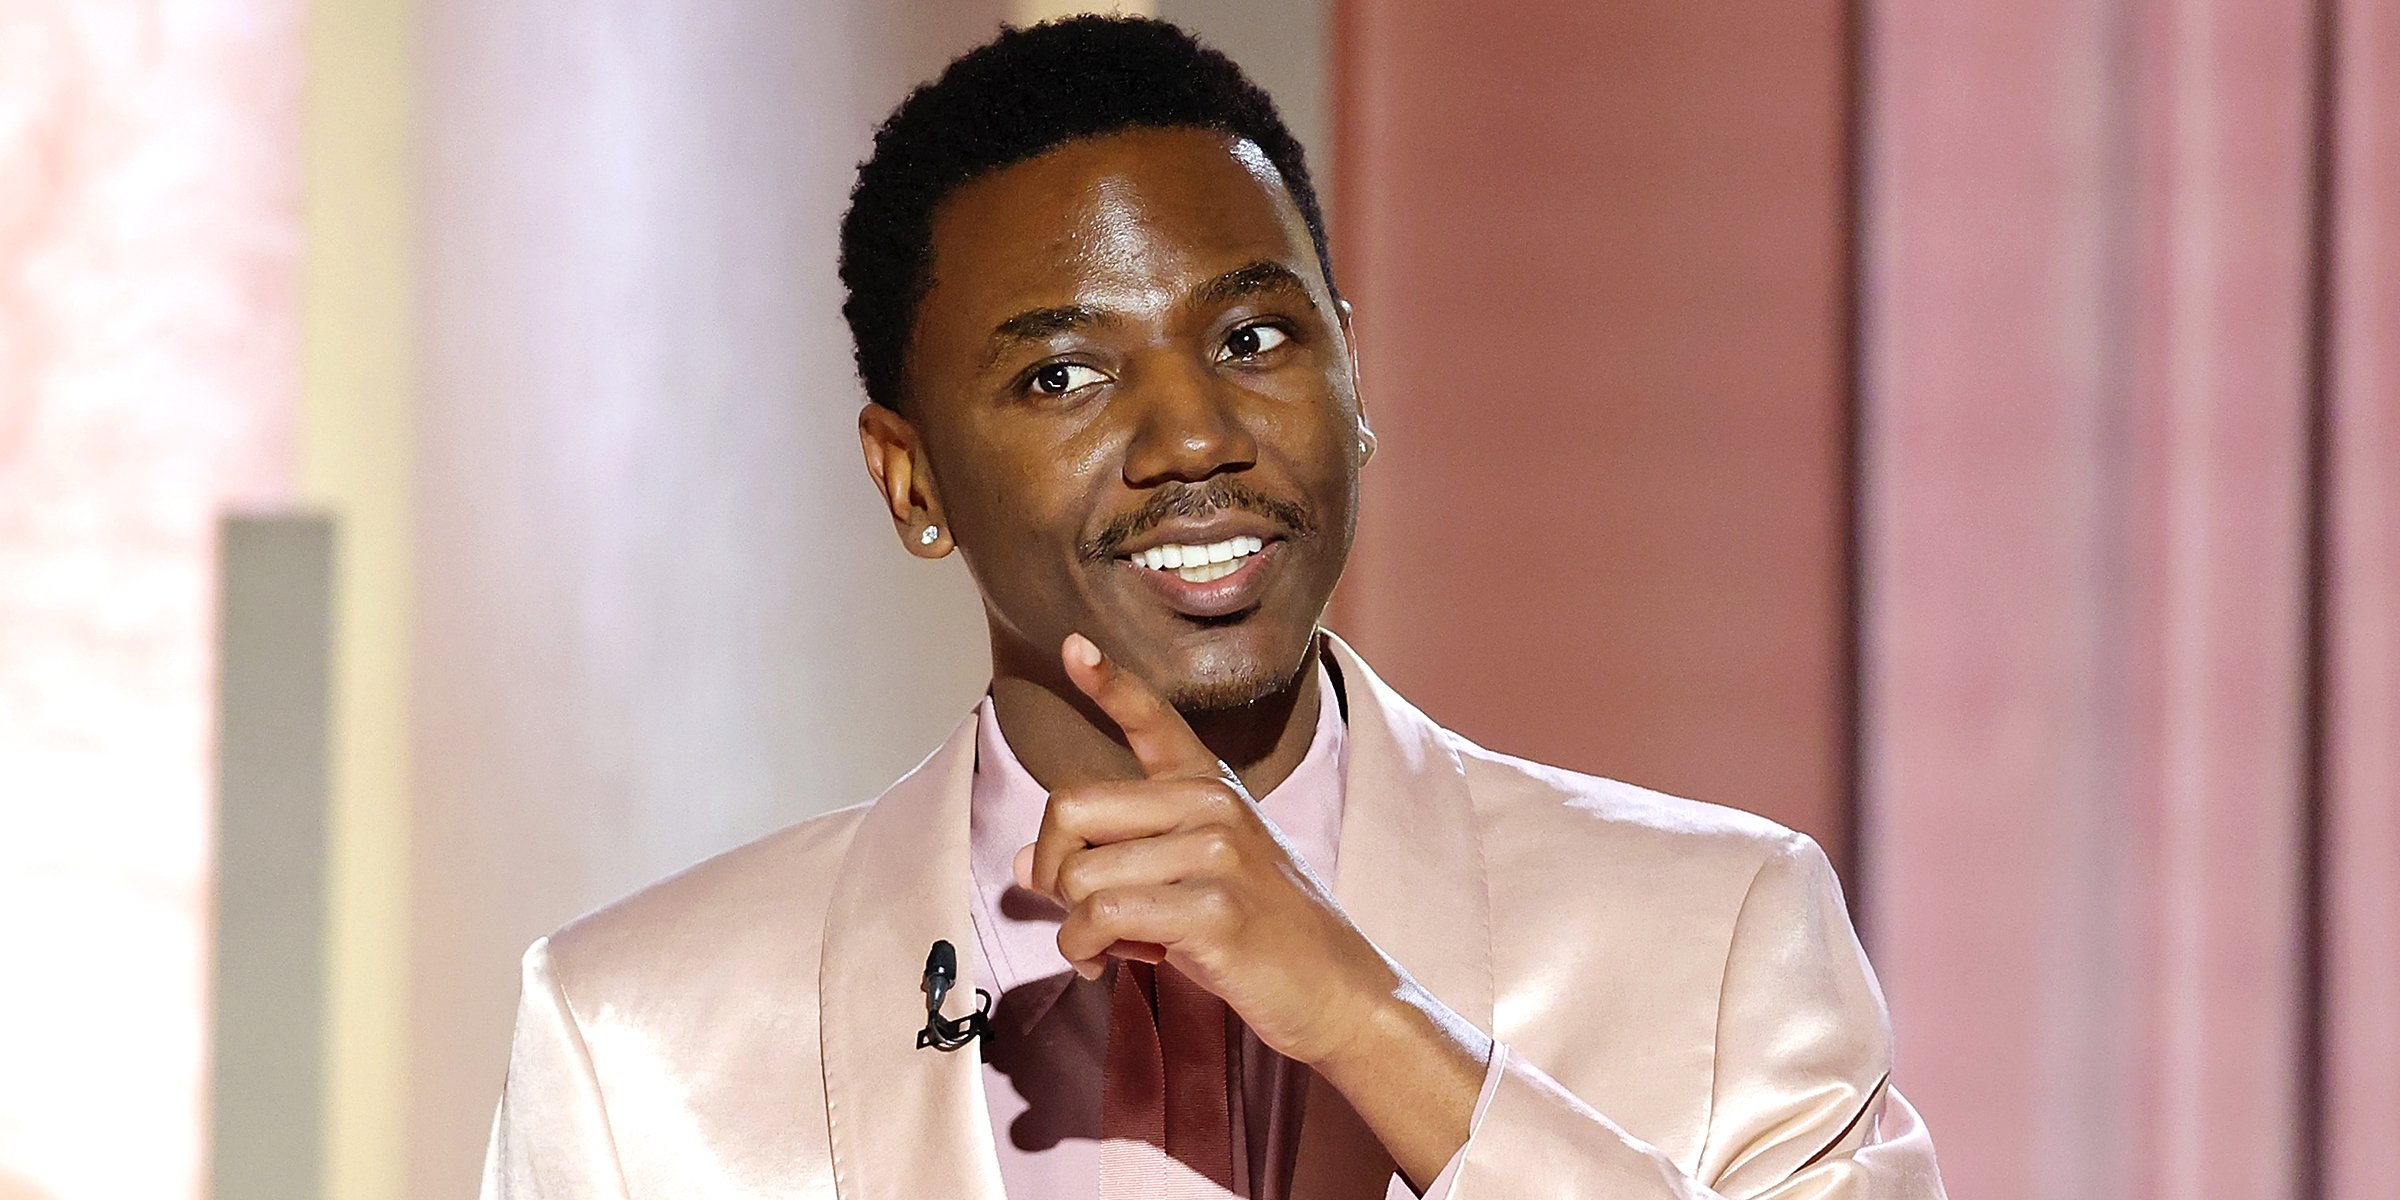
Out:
{"x": 1128, "y": 355}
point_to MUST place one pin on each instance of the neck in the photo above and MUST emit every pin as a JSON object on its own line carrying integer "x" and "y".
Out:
{"x": 1063, "y": 739}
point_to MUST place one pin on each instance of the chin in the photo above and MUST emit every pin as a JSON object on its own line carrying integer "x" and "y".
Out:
{"x": 1231, "y": 672}
{"x": 1200, "y": 697}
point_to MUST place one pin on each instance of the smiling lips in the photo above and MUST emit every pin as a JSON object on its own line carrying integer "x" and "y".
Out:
{"x": 1199, "y": 564}
{"x": 1208, "y": 579}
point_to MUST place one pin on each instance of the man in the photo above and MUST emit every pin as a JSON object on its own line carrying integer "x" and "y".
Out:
{"x": 1257, "y": 927}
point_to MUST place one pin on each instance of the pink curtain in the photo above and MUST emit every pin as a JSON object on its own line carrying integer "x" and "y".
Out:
{"x": 2362, "y": 616}
{"x": 2129, "y": 589}
{"x": 1598, "y": 254}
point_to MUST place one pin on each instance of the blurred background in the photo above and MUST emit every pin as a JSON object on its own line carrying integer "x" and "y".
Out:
{"x": 1966, "y": 431}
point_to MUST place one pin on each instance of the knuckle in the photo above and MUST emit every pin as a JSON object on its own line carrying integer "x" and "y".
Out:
{"x": 1069, "y": 807}
{"x": 1219, "y": 849}
{"x": 1214, "y": 796}
{"x": 1075, "y": 878}
{"x": 1215, "y": 905}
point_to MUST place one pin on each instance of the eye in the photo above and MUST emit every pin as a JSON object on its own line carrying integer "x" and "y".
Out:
{"x": 1057, "y": 379}
{"x": 1250, "y": 341}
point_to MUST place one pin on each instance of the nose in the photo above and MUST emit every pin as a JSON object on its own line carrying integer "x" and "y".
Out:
{"x": 1188, "y": 427}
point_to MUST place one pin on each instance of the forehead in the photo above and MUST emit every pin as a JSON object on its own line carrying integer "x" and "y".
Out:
{"x": 1140, "y": 213}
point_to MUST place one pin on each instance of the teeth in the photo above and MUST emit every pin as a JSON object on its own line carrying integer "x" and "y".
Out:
{"x": 1199, "y": 564}
{"x": 1207, "y": 571}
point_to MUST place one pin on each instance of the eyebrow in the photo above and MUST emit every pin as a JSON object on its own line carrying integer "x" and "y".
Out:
{"x": 1041, "y": 324}
{"x": 1248, "y": 280}
{"x": 1033, "y": 325}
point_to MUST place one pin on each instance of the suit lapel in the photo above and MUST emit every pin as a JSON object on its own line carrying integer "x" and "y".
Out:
{"x": 1411, "y": 876}
{"x": 904, "y": 1122}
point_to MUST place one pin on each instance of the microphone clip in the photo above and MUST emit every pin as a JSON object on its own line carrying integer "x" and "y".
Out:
{"x": 940, "y": 1032}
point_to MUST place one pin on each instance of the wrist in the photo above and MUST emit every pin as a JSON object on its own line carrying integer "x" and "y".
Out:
{"x": 1356, "y": 1020}
{"x": 1404, "y": 1030}
{"x": 1412, "y": 1069}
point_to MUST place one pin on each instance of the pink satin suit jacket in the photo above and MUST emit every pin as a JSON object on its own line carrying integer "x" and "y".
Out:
{"x": 1681, "y": 1005}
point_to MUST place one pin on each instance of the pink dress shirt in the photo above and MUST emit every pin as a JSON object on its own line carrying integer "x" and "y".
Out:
{"x": 1049, "y": 1033}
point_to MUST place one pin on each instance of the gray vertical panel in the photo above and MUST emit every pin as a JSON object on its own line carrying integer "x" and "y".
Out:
{"x": 269, "y": 1068}
{"x": 1286, "y": 46}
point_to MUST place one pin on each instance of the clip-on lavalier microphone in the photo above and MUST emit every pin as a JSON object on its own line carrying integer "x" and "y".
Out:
{"x": 941, "y": 1033}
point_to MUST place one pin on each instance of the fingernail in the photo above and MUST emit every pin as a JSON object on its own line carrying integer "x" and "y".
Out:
{"x": 1088, "y": 970}
{"x": 1021, "y": 868}
{"x": 1083, "y": 650}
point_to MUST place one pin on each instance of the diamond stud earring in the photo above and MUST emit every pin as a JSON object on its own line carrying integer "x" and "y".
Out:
{"x": 928, "y": 537}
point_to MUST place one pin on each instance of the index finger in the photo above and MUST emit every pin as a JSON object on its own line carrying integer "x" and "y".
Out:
{"x": 1161, "y": 740}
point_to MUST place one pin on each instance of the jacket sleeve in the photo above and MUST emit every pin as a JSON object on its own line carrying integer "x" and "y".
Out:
{"x": 1801, "y": 1107}
{"x": 550, "y": 1137}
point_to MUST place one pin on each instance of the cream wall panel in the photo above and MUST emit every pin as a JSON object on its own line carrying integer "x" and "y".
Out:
{"x": 658, "y": 610}
{"x": 355, "y": 450}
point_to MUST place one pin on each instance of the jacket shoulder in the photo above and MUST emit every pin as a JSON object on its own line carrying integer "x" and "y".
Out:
{"x": 1570, "y": 812}
{"x": 691, "y": 999}
{"x": 1616, "y": 907}
{"x": 759, "y": 903}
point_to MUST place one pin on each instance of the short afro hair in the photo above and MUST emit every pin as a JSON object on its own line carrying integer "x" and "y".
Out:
{"x": 1024, "y": 93}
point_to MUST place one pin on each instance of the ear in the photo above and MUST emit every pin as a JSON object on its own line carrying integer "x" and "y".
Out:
{"x": 896, "y": 461}
{"x": 1366, "y": 432}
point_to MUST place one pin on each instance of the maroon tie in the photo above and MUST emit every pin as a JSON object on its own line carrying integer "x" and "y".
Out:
{"x": 1165, "y": 1115}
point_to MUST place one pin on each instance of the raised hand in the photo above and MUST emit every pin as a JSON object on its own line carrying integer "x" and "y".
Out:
{"x": 1179, "y": 866}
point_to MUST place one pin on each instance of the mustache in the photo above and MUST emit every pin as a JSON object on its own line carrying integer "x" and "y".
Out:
{"x": 1197, "y": 500}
